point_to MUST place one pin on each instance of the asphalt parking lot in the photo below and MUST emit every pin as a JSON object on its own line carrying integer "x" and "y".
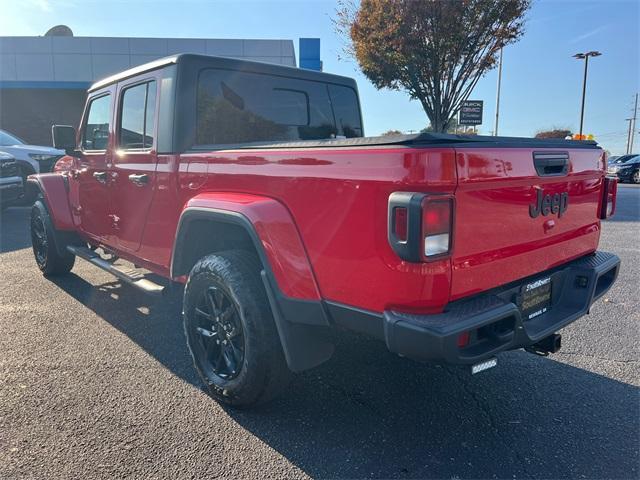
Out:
{"x": 96, "y": 382}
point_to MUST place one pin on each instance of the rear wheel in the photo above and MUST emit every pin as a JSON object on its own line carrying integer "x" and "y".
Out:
{"x": 636, "y": 177}
{"x": 230, "y": 332}
{"x": 43, "y": 241}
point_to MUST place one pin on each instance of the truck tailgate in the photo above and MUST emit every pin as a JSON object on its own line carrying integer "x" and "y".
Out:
{"x": 499, "y": 236}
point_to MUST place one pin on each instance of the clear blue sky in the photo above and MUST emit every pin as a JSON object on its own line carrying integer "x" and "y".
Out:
{"x": 541, "y": 82}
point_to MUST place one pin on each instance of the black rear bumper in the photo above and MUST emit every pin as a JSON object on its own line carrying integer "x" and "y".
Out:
{"x": 494, "y": 321}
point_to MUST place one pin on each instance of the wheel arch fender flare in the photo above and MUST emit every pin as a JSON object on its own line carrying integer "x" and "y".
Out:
{"x": 54, "y": 189}
{"x": 271, "y": 228}
{"x": 300, "y": 315}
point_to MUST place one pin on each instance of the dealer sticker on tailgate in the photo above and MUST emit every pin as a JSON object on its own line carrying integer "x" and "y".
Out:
{"x": 536, "y": 298}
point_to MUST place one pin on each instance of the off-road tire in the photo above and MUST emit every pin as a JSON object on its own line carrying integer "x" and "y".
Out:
{"x": 43, "y": 242}
{"x": 263, "y": 372}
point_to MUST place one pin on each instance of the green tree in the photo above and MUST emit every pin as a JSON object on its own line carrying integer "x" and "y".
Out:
{"x": 435, "y": 50}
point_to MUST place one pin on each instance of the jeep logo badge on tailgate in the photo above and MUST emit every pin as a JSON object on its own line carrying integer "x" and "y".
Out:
{"x": 545, "y": 204}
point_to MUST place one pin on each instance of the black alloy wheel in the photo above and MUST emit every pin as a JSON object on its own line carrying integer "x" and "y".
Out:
{"x": 230, "y": 331}
{"x": 218, "y": 334}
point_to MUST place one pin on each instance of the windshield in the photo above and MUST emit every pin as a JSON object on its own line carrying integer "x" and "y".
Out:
{"x": 7, "y": 139}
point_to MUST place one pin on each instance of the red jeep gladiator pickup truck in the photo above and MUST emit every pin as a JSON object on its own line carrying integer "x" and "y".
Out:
{"x": 252, "y": 184}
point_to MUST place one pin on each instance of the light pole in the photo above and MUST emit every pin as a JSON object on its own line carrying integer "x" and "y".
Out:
{"x": 629, "y": 131}
{"x": 584, "y": 56}
{"x": 633, "y": 127}
{"x": 495, "y": 127}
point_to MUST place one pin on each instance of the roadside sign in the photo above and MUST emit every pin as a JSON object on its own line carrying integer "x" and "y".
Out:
{"x": 470, "y": 112}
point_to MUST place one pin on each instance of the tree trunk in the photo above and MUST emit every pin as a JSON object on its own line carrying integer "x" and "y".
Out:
{"x": 440, "y": 121}
{"x": 439, "y": 125}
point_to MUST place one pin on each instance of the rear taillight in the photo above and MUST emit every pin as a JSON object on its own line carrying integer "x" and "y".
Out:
{"x": 420, "y": 225}
{"x": 609, "y": 194}
{"x": 436, "y": 226}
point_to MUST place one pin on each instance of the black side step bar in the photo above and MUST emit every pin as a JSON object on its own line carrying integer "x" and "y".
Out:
{"x": 132, "y": 277}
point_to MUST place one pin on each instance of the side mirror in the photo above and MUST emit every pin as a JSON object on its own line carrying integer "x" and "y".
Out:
{"x": 64, "y": 138}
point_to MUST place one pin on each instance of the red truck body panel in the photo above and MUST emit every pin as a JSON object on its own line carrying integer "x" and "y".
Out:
{"x": 321, "y": 215}
{"x": 496, "y": 239}
{"x": 278, "y": 234}
{"x": 333, "y": 197}
{"x": 338, "y": 200}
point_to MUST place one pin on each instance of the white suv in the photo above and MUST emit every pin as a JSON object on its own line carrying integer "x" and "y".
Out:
{"x": 31, "y": 158}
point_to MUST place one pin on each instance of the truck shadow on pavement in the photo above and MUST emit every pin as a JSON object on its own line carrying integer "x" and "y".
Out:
{"x": 367, "y": 413}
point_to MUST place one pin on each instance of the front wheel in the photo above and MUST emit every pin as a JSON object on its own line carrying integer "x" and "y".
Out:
{"x": 636, "y": 177}
{"x": 43, "y": 241}
{"x": 230, "y": 331}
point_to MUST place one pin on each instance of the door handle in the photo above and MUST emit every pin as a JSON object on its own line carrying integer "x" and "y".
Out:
{"x": 140, "y": 179}
{"x": 100, "y": 176}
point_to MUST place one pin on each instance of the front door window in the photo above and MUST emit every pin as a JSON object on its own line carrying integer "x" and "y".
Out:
{"x": 96, "y": 131}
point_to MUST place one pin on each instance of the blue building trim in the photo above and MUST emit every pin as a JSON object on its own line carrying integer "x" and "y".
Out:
{"x": 310, "y": 54}
{"x": 48, "y": 84}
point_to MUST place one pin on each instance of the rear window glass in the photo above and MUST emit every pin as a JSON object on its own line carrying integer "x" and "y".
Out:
{"x": 347, "y": 113}
{"x": 137, "y": 115}
{"x": 239, "y": 107}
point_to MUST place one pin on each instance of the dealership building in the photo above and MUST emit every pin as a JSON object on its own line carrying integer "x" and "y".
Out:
{"x": 43, "y": 80}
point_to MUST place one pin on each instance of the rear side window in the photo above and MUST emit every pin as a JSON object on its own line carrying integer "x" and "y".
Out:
{"x": 239, "y": 107}
{"x": 136, "y": 130}
{"x": 96, "y": 131}
{"x": 345, "y": 108}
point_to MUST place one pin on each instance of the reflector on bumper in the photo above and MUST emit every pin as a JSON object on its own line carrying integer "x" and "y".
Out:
{"x": 482, "y": 366}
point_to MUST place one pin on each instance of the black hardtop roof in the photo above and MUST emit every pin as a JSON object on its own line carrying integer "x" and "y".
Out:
{"x": 210, "y": 61}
